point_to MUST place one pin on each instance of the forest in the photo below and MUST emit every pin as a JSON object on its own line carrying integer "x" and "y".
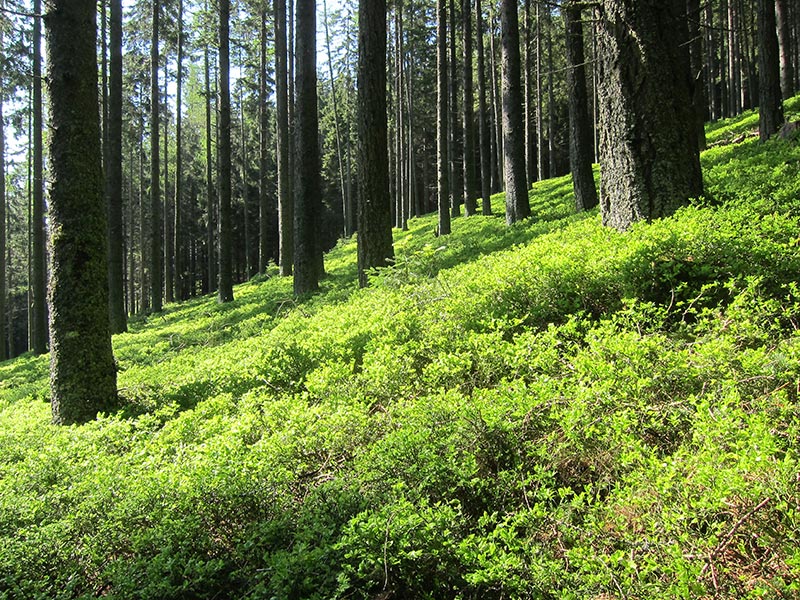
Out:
{"x": 407, "y": 299}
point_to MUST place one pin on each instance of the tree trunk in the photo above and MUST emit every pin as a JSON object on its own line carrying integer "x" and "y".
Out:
{"x": 39, "y": 285}
{"x": 770, "y": 101}
{"x": 82, "y": 370}
{"x": 530, "y": 110}
{"x": 470, "y": 206}
{"x": 785, "y": 44}
{"x": 580, "y": 127}
{"x": 497, "y": 111}
{"x": 454, "y": 150}
{"x": 648, "y": 142}
{"x": 517, "y": 203}
{"x": 541, "y": 171}
{"x": 156, "y": 256}
{"x": 699, "y": 101}
{"x": 483, "y": 118}
{"x": 3, "y": 354}
{"x": 225, "y": 292}
{"x": 179, "y": 243}
{"x": 285, "y": 202}
{"x": 443, "y": 164}
{"x": 374, "y": 212}
{"x": 211, "y": 268}
{"x": 113, "y": 171}
{"x": 169, "y": 218}
{"x": 307, "y": 184}
{"x": 264, "y": 216}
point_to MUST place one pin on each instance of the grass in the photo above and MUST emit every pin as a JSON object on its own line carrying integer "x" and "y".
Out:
{"x": 550, "y": 410}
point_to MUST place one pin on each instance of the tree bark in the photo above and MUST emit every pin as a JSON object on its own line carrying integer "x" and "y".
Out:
{"x": 39, "y": 284}
{"x": 454, "y": 150}
{"x": 470, "y": 205}
{"x": 82, "y": 369}
{"x": 264, "y": 216}
{"x": 785, "y": 44}
{"x": 374, "y": 211}
{"x": 307, "y": 184}
{"x": 699, "y": 100}
{"x": 580, "y": 127}
{"x": 770, "y": 101}
{"x": 181, "y": 276}
{"x": 113, "y": 170}
{"x": 648, "y": 144}
{"x": 211, "y": 265}
{"x": 517, "y": 203}
{"x": 156, "y": 254}
{"x": 443, "y": 164}
{"x": 3, "y": 353}
{"x": 483, "y": 118}
{"x": 225, "y": 291}
{"x": 285, "y": 202}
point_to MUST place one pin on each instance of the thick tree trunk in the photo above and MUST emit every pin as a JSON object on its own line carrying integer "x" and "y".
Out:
{"x": 285, "y": 201}
{"x": 39, "y": 284}
{"x": 648, "y": 144}
{"x": 113, "y": 170}
{"x": 82, "y": 369}
{"x": 307, "y": 184}
{"x": 225, "y": 292}
{"x": 580, "y": 127}
{"x": 443, "y": 164}
{"x": 517, "y": 203}
{"x": 770, "y": 100}
{"x": 374, "y": 212}
{"x": 470, "y": 206}
{"x": 483, "y": 118}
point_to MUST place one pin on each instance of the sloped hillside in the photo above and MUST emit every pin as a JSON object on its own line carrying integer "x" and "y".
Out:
{"x": 551, "y": 410}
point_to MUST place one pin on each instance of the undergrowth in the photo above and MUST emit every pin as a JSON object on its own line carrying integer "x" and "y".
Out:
{"x": 550, "y": 410}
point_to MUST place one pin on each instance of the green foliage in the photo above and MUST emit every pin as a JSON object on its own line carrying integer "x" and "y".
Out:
{"x": 551, "y": 410}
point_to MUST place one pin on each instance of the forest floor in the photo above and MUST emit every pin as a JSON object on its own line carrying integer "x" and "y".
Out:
{"x": 548, "y": 410}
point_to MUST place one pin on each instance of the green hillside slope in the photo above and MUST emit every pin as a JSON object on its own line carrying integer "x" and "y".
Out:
{"x": 551, "y": 410}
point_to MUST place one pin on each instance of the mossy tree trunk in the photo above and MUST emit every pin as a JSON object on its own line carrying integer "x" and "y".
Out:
{"x": 581, "y": 146}
{"x": 648, "y": 143}
{"x": 82, "y": 370}
{"x": 517, "y": 204}
{"x": 375, "y": 247}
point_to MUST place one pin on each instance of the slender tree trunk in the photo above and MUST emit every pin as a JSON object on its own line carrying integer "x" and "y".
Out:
{"x": 540, "y": 166}
{"x": 224, "y": 153}
{"x": 443, "y": 164}
{"x": 144, "y": 290}
{"x": 580, "y": 128}
{"x": 454, "y": 150}
{"x": 82, "y": 370}
{"x": 3, "y": 354}
{"x": 179, "y": 243}
{"x": 263, "y": 145}
{"x": 169, "y": 217}
{"x": 648, "y": 145}
{"x": 497, "y": 112}
{"x": 517, "y": 203}
{"x": 285, "y": 200}
{"x": 210, "y": 204}
{"x": 785, "y": 44}
{"x": 307, "y": 185}
{"x": 770, "y": 101}
{"x": 483, "y": 120}
{"x": 470, "y": 169}
{"x": 39, "y": 286}
{"x": 156, "y": 255}
{"x": 113, "y": 170}
{"x": 551, "y": 101}
{"x": 374, "y": 212}
{"x": 530, "y": 109}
